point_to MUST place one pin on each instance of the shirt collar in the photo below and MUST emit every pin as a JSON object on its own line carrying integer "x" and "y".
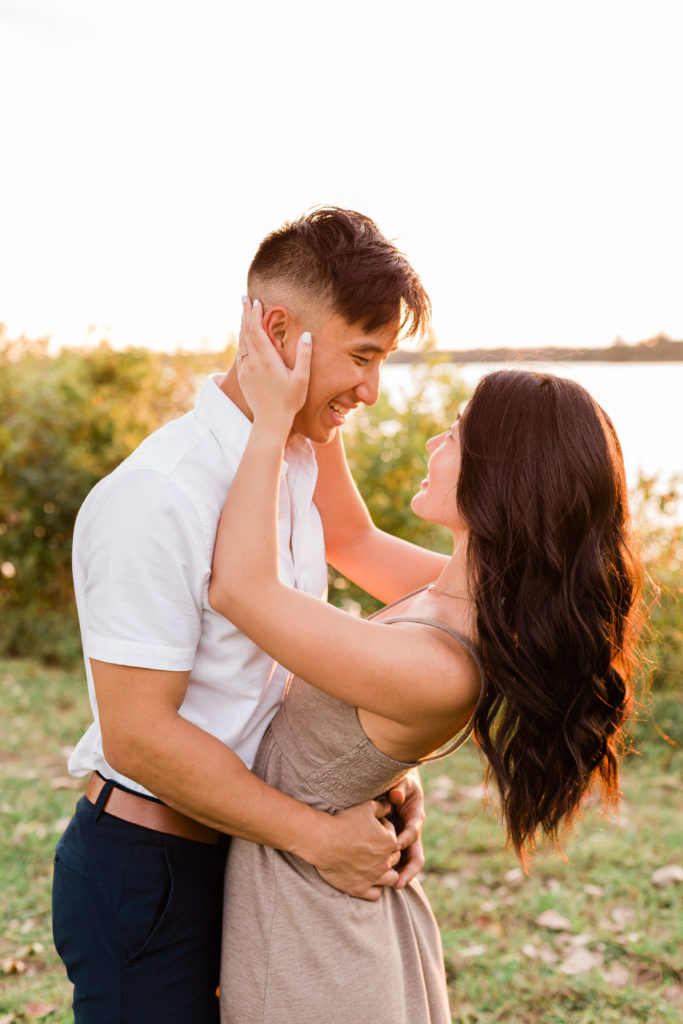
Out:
{"x": 231, "y": 428}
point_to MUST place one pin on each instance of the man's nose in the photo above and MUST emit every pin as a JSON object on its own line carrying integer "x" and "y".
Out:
{"x": 368, "y": 389}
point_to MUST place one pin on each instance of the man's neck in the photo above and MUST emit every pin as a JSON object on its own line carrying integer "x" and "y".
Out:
{"x": 231, "y": 387}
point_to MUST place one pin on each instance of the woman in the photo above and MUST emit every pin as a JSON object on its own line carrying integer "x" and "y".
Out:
{"x": 542, "y": 582}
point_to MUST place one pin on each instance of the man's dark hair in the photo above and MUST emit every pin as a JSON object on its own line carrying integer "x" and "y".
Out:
{"x": 341, "y": 259}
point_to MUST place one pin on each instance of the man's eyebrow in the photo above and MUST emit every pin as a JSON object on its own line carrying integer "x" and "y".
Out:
{"x": 371, "y": 346}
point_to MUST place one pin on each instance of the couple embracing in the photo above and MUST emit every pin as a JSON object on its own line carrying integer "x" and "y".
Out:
{"x": 252, "y": 745}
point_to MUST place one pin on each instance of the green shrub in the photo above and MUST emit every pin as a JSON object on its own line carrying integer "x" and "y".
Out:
{"x": 68, "y": 420}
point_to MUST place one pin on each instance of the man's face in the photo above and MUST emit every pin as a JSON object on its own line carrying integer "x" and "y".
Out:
{"x": 345, "y": 372}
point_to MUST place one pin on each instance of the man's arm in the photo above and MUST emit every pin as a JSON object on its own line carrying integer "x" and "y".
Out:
{"x": 146, "y": 739}
{"x": 385, "y": 566}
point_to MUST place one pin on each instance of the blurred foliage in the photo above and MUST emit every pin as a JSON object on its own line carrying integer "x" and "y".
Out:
{"x": 69, "y": 419}
{"x": 656, "y": 509}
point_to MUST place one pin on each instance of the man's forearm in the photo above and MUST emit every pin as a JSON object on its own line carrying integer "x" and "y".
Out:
{"x": 198, "y": 775}
{"x": 386, "y": 566}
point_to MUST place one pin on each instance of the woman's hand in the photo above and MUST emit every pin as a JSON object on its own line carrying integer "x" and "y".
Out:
{"x": 273, "y": 391}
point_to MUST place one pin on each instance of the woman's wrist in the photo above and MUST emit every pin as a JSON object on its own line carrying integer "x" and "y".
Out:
{"x": 272, "y": 430}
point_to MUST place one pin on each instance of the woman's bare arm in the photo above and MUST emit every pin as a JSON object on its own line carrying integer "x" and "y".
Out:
{"x": 400, "y": 672}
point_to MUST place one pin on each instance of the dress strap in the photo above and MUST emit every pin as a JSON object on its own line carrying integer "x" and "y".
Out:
{"x": 466, "y": 643}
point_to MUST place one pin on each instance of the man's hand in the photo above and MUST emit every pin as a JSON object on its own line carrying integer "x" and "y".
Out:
{"x": 359, "y": 851}
{"x": 407, "y": 799}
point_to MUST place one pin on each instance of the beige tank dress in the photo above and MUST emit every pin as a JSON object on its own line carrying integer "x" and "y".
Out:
{"x": 297, "y": 951}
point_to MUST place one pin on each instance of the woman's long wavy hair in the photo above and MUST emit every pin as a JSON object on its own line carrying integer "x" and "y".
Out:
{"x": 557, "y": 575}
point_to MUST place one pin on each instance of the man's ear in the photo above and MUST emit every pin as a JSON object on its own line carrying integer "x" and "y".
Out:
{"x": 283, "y": 331}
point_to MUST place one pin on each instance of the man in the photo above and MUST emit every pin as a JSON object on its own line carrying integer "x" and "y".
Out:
{"x": 180, "y": 698}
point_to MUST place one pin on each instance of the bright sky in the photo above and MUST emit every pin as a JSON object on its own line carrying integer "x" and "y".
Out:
{"x": 526, "y": 156}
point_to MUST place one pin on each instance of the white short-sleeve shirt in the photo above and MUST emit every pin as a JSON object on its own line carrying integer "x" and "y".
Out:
{"x": 143, "y": 545}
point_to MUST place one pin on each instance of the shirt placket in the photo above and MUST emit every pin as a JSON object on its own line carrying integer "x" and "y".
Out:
{"x": 301, "y": 480}
{"x": 288, "y": 572}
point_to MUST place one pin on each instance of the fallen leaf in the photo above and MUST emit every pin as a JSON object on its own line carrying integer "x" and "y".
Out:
{"x": 556, "y": 922}
{"x": 667, "y": 782}
{"x": 65, "y": 782}
{"x": 473, "y": 792}
{"x": 581, "y": 960}
{"x": 514, "y": 877}
{"x": 30, "y": 828}
{"x": 11, "y": 965}
{"x": 648, "y": 976}
{"x": 451, "y": 880}
{"x": 594, "y": 890}
{"x": 616, "y": 975}
{"x": 8, "y": 1018}
{"x": 671, "y": 874}
{"x": 548, "y": 956}
{"x": 470, "y": 951}
{"x": 530, "y": 951}
{"x": 440, "y": 787}
{"x": 495, "y": 928}
{"x": 622, "y": 915}
{"x": 672, "y": 994}
{"x": 39, "y": 1009}
{"x": 577, "y": 940}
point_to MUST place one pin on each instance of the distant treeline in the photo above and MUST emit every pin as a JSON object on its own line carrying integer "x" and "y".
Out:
{"x": 658, "y": 349}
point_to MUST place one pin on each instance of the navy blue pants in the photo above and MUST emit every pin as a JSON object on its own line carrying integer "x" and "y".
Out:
{"x": 137, "y": 921}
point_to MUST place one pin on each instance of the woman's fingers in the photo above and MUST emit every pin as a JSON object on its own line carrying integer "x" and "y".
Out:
{"x": 302, "y": 366}
{"x": 269, "y": 386}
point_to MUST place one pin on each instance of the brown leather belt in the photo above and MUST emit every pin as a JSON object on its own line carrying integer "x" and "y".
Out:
{"x": 138, "y": 810}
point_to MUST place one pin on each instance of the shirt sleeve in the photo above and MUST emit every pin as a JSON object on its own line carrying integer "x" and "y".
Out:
{"x": 144, "y": 563}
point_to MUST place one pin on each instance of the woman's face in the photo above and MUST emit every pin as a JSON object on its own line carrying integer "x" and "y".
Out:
{"x": 436, "y": 499}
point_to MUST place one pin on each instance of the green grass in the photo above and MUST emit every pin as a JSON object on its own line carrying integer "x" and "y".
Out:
{"x": 617, "y": 959}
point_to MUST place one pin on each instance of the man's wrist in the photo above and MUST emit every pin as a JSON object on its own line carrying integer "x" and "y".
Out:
{"x": 312, "y": 835}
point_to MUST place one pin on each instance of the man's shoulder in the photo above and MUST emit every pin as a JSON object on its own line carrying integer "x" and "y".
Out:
{"x": 180, "y": 465}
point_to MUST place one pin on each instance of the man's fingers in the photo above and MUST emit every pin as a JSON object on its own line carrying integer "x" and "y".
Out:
{"x": 395, "y": 857}
{"x": 372, "y": 894}
{"x": 389, "y": 878}
{"x": 382, "y": 807}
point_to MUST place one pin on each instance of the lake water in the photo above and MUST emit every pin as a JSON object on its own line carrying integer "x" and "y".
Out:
{"x": 644, "y": 401}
